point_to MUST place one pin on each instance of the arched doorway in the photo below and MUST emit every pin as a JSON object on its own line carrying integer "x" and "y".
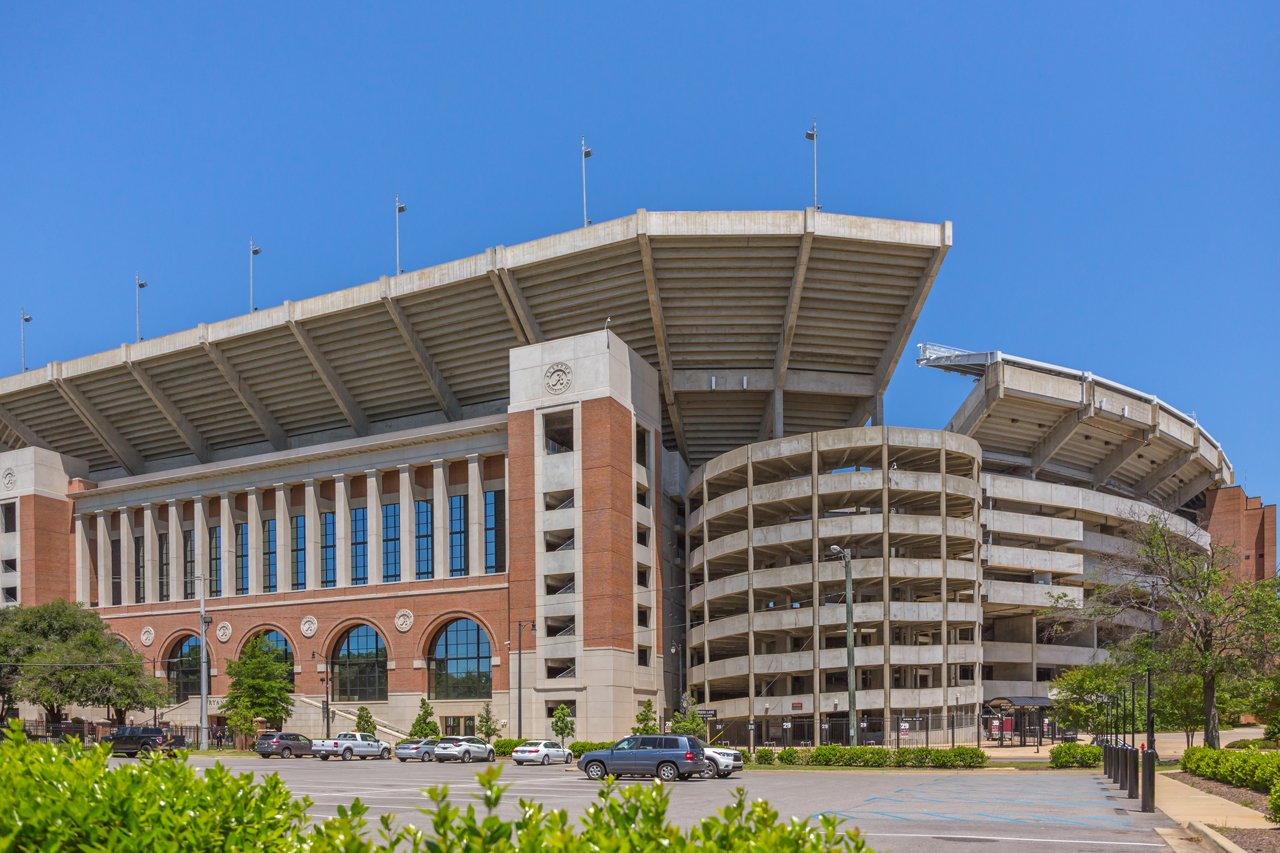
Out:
{"x": 359, "y": 666}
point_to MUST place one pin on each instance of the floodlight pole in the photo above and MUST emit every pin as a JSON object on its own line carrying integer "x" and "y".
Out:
{"x": 586, "y": 152}
{"x": 26, "y": 318}
{"x": 137, "y": 304}
{"x": 815, "y": 163}
{"x": 400, "y": 208}
{"x": 253, "y": 250}
{"x": 849, "y": 636}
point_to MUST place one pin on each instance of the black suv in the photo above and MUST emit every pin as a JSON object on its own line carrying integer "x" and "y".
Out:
{"x": 132, "y": 740}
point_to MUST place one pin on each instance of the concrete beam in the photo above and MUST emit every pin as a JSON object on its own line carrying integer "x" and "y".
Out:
{"x": 1067, "y": 471}
{"x": 660, "y": 332}
{"x": 869, "y": 410}
{"x": 772, "y": 422}
{"x": 185, "y": 429}
{"x": 1196, "y": 485}
{"x": 512, "y": 298}
{"x": 257, "y": 410}
{"x": 1056, "y": 438}
{"x": 898, "y": 340}
{"x": 115, "y": 443}
{"x": 1117, "y": 458}
{"x": 762, "y": 379}
{"x": 350, "y": 408}
{"x": 783, "y": 355}
{"x": 435, "y": 379}
{"x": 1163, "y": 472}
{"x": 21, "y": 430}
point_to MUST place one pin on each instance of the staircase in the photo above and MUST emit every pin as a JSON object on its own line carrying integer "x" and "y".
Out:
{"x": 384, "y": 731}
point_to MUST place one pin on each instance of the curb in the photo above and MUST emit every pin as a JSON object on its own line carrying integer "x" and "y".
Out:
{"x": 1213, "y": 839}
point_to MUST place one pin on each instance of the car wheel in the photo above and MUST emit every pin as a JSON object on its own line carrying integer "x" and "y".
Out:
{"x": 568, "y": 758}
{"x": 492, "y": 756}
{"x": 466, "y": 757}
{"x": 402, "y": 760}
{"x": 595, "y": 770}
{"x": 286, "y": 753}
{"x": 385, "y": 754}
{"x": 546, "y": 759}
{"x": 667, "y": 772}
{"x": 324, "y": 758}
{"x": 346, "y": 755}
{"x": 425, "y": 758}
{"x": 710, "y": 772}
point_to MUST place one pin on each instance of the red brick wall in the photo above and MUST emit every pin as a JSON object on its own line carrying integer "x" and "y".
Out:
{"x": 521, "y": 566}
{"x": 1245, "y": 524}
{"x": 47, "y": 545}
{"x": 608, "y": 495}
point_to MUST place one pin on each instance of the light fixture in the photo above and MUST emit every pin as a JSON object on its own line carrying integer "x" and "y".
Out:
{"x": 253, "y": 250}
{"x": 26, "y": 318}
{"x": 836, "y": 549}
{"x": 137, "y": 304}
{"x": 812, "y": 135}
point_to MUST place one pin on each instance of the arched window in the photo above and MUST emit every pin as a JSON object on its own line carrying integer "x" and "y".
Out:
{"x": 283, "y": 650}
{"x": 360, "y": 667}
{"x": 183, "y": 668}
{"x": 460, "y": 665}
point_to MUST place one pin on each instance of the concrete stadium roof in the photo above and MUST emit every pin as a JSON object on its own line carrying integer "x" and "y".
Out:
{"x": 1070, "y": 426}
{"x": 728, "y": 306}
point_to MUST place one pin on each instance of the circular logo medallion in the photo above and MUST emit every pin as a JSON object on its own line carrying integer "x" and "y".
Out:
{"x": 309, "y": 626}
{"x": 404, "y": 620}
{"x": 148, "y": 636}
{"x": 10, "y": 479}
{"x": 224, "y": 631}
{"x": 558, "y": 378}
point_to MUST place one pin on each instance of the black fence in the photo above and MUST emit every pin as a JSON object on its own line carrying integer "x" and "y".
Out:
{"x": 936, "y": 729}
{"x": 43, "y": 732}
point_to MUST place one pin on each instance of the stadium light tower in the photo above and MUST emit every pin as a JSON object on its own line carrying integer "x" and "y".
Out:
{"x": 586, "y": 152}
{"x": 812, "y": 135}
{"x": 137, "y": 304}
{"x": 253, "y": 250}
{"x": 26, "y": 318}
{"x": 400, "y": 208}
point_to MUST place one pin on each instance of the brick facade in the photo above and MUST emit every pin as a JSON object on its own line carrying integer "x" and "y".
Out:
{"x": 48, "y": 557}
{"x": 1246, "y": 525}
{"x": 608, "y": 529}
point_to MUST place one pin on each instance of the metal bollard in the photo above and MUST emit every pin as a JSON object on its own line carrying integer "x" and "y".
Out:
{"x": 1133, "y": 773}
{"x": 1149, "y": 780}
{"x": 1122, "y": 767}
{"x": 1106, "y": 758}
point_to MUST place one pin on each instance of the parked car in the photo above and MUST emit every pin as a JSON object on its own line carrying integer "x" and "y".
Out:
{"x": 541, "y": 752}
{"x": 132, "y": 740}
{"x": 669, "y": 757}
{"x": 283, "y": 744}
{"x": 721, "y": 762}
{"x": 348, "y": 745}
{"x": 417, "y": 748}
{"x": 464, "y": 749}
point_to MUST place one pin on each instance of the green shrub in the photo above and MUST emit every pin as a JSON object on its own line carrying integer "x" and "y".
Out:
{"x": 1075, "y": 755}
{"x": 580, "y": 748}
{"x": 764, "y": 755}
{"x": 747, "y": 757}
{"x": 364, "y": 721}
{"x": 969, "y": 756}
{"x": 912, "y": 756}
{"x": 788, "y": 756}
{"x": 824, "y": 756}
{"x": 1243, "y": 768}
{"x": 1273, "y": 804}
{"x": 1252, "y": 743}
{"x": 864, "y": 756}
{"x": 944, "y": 759}
{"x": 503, "y": 746}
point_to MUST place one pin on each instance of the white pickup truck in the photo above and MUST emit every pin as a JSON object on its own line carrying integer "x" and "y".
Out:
{"x": 348, "y": 745}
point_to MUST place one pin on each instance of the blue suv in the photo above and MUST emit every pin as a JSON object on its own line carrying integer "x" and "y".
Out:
{"x": 669, "y": 757}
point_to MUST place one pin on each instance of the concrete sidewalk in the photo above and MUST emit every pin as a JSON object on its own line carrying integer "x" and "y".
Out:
{"x": 1184, "y": 804}
{"x": 1170, "y": 745}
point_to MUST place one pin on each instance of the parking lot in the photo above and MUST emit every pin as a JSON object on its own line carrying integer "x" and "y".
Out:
{"x": 898, "y": 811}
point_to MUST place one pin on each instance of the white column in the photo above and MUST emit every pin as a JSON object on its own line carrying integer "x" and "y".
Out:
{"x": 440, "y": 511}
{"x": 408, "y": 554}
{"x": 475, "y": 516}
{"x": 84, "y": 559}
{"x": 176, "y": 585}
{"x": 284, "y": 539}
{"x": 312, "y": 533}
{"x": 104, "y": 560}
{"x": 227, "y": 521}
{"x": 128, "y": 587}
{"x": 373, "y": 512}
{"x": 151, "y": 553}
{"x": 342, "y": 529}
{"x": 200, "y": 531}
{"x": 255, "y": 542}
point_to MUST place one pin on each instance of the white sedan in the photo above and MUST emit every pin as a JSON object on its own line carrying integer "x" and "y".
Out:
{"x": 464, "y": 749}
{"x": 541, "y": 752}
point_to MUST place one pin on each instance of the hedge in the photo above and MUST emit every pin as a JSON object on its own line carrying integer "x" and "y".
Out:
{"x": 503, "y": 746}
{"x": 1243, "y": 768}
{"x": 764, "y": 756}
{"x": 876, "y": 756}
{"x": 584, "y": 746}
{"x": 1075, "y": 755}
{"x": 1255, "y": 743}
{"x": 67, "y": 797}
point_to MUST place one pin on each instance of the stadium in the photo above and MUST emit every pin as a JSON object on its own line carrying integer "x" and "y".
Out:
{"x": 601, "y": 468}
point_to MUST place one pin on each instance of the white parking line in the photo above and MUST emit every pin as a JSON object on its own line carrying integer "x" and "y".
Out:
{"x": 1010, "y": 838}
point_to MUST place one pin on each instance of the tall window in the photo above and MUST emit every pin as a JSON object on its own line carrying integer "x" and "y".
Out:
{"x": 360, "y": 667}
{"x": 423, "y": 541}
{"x": 461, "y": 663}
{"x": 359, "y": 547}
{"x": 390, "y": 542}
{"x": 183, "y": 668}
{"x": 215, "y": 562}
{"x": 284, "y": 652}
{"x": 117, "y": 581}
{"x": 298, "y": 524}
{"x": 457, "y": 535}
{"x": 328, "y": 551}
{"x": 163, "y": 542}
{"x": 139, "y": 570}
{"x": 269, "y": 555}
{"x": 495, "y": 532}
{"x": 242, "y": 559}
{"x": 188, "y": 565}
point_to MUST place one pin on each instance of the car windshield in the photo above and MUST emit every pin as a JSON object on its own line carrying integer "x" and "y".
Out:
{"x": 702, "y": 743}
{"x": 450, "y": 739}
{"x": 346, "y": 736}
{"x": 414, "y": 742}
{"x": 266, "y": 736}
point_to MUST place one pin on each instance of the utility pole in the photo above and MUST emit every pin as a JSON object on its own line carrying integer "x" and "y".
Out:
{"x": 586, "y": 152}
{"x": 204, "y": 670}
{"x": 849, "y": 641}
{"x": 520, "y": 673}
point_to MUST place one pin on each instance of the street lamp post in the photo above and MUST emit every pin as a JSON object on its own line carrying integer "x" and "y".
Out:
{"x": 253, "y": 250}
{"x": 137, "y": 304}
{"x": 520, "y": 623}
{"x": 327, "y": 681}
{"x": 204, "y": 669}
{"x": 1149, "y": 756}
{"x": 849, "y": 639}
{"x": 400, "y": 208}
{"x": 26, "y": 318}
{"x": 678, "y": 649}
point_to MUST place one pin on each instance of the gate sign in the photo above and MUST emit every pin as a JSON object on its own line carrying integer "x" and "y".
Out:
{"x": 707, "y": 714}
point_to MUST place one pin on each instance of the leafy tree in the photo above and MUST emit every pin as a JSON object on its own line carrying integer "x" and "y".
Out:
{"x": 486, "y": 724}
{"x": 10, "y": 643}
{"x": 562, "y": 723}
{"x": 241, "y": 723}
{"x": 129, "y": 685}
{"x": 364, "y": 721}
{"x": 688, "y": 721}
{"x": 646, "y": 720}
{"x": 423, "y": 725}
{"x": 1202, "y": 620}
{"x": 1179, "y": 705}
{"x": 261, "y": 683}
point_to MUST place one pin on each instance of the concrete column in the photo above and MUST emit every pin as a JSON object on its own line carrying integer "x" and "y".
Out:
{"x": 475, "y": 517}
{"x": 946, "y": 637}
{"x": 977, "y": 585}
{"x": 176, "y": 562}
{"x": 440, "y": 516}
{"x": 284, "y": 539}
{"x": 706, "y": 609}
{"x": 151, "y": 553}
{"x": 408, "y": 554}
{"x": 104, "y": 560}
{"x": 84, "y": 559}
{"x": 312, "y": 533}
{"x": 815, "y": 516}
{"x": 200, "y": 532}
{"x": 373, "y": 511}
{"x": 887, "y": 584}
{"x": 256, "y": 569}
{"x": 128, "y": 586}
{"x": 751, "y": 590}
{"x": 342, "y": 529}
{"x": 228, "y": 524}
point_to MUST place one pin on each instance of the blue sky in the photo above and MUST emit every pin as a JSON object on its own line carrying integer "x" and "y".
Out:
{"x": 1111, "y": 169}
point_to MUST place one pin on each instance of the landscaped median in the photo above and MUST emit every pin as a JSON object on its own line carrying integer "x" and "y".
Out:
{"x": 872, "y": 756}
{"x": 1252, "y": 769}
